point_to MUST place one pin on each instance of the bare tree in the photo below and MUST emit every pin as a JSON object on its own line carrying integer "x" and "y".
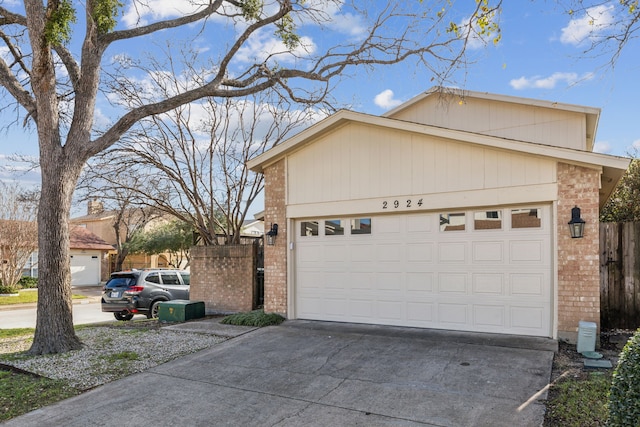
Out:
{"x": 191, "y": 162}
{"x": 120, "y": 202}
{"x": 606, "y": 27}
{"x": 18, "y": 232}
{"x": 53, "y": 81}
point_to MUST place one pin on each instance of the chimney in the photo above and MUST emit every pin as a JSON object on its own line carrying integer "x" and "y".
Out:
{"x": 94, "y": 207}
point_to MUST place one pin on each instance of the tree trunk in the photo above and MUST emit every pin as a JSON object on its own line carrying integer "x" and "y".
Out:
{"x": 54, "y": 325}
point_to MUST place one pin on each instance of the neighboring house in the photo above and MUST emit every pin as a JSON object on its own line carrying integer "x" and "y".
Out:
{"x": 450, "y": 211}
{"x": 88, "y": 256}
{"x": 252, "y": 228}
{"x": 101, "y": 222}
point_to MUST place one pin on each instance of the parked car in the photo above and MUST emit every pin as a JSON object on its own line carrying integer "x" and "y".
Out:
{"x": 139, "y": 291}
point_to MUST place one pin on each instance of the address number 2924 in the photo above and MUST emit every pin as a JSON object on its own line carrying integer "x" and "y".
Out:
{"x": 396, "y": 204}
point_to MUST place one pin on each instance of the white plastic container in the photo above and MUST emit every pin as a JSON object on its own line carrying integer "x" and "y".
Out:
{"x": 586, "y": 336}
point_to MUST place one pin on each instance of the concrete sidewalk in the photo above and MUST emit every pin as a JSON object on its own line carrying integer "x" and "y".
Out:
{"x": 328, "y": 374}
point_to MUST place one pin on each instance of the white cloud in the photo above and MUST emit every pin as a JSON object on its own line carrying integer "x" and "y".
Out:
{"x": 139, "y": 14}
{"x": 602, "y": 147}
{"x": 636, "y": 144}
{"x": 550, "y": 82}
{"x": 474, "y": 40}
{"x": 385, "y": 99}
{"x": 329, "y": 13}
{"x": 595, "y": 21}
{"x": 262, "y": 44}
{"x": 349, "y": 24}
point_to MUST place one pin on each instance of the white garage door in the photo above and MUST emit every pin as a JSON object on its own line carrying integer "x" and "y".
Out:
{"x": 481, "y": 270}
{"x": 85, "y": 270}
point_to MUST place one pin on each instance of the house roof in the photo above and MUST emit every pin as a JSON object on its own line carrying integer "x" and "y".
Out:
{"x": 101, "y": 216}
{"x": 613, "y": 167}
{"x": 592, "y": 114}
{"x": 81, "y": 238}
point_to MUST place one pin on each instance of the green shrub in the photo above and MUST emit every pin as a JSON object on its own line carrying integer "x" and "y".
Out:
{"x": 624, "y": 396}
{"x": 256, "y": 318}
{"x": 8, "y": 289}
{"x": 28, "y": 282}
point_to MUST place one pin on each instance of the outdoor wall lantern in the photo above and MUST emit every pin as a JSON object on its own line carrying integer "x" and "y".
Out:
{"x": 271, "y": 235}
{"x": 576, "y": 225}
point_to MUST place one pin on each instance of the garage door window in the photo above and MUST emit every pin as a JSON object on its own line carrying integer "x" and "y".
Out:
{"x": 334, "y": 227}
{"x": 309, "y": 228}
{"x": 487, "y": 220}
{"x": 526, "y": 218}
{"x": 452, "y": 222}
{"x": 361, "y": 226}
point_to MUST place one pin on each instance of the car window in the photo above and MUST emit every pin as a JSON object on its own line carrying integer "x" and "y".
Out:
{"x": 186, "y": 278}
{"x": 170, "y": 278}
{"x": 116, "y": 282}
{"x": 153, "y": 278}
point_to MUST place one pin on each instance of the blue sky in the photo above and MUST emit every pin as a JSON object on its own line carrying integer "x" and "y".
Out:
{"x": 540, "y": 56}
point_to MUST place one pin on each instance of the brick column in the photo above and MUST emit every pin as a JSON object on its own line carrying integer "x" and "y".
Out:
{"x": 223, "y": 277}
{"x": 578, "y": 259}
{"x": 275, "y": 257}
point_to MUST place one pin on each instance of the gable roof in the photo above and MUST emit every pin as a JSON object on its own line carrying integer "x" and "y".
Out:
{"x": 613, "y": 167}
{"x": 592, "y": 114}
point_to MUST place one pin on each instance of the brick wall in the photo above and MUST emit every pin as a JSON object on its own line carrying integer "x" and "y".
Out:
{"x": 578, "y": 259}
{"x": 275, "y": 257}
{"x": 223, "y": 277}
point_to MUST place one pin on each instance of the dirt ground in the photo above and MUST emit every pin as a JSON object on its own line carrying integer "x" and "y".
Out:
{"x": 567, "y": 361}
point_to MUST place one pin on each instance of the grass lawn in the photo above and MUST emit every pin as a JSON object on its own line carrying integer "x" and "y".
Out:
{"x": 21, "y": 393}
{"x": 579, "y": 401}
{"x": 28, "y": 296}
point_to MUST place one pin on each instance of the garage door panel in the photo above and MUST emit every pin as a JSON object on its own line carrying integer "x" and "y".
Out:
{"x": 389, "y": 252}
{"x": 527, "y": 251}
{"x": 422, "y": 224}
{"x": 419, "y": 282}
{"x": 335, "y": 307}
{"x": 484, "y": 252}
{"x": 452, "y": 313}
{"x": 420, "y": 312}
{"x": 389, "y": 281}
{"x": 362, "y": 252}
{"x": 361, "y": 280}
{"x": 487, "y": 283}
{"x": 452, "y": 283}
{"x": 308, "y": 255}
{"x": 528, "y": 284}
{"x": 489, "y": 315}
{"x": 388, "y": 226}
{"x": 391, "y": 310}
{"x": 454, "y": 252}
{"x": 311, "y": 304}
{"x": 335, "y": 280}
{"x": 408, "y": 272}
{"x": 532, "y": 318}
{"x": 335, "y": 253}
{"x": 361, "y": 308}
{"x": 420, "y": 252}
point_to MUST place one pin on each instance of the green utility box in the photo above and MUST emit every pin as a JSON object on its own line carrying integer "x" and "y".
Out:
{"x": 180, "y": 310}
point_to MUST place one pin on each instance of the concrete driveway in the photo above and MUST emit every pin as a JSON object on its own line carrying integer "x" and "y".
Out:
{"x": 328, "y": 374}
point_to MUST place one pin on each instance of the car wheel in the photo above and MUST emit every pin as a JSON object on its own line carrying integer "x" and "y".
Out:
{"x": 153, "y": 310}
{"x": 123, "y": 315}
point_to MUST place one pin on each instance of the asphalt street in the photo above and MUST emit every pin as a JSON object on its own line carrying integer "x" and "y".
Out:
{"x": 84, "y": 311}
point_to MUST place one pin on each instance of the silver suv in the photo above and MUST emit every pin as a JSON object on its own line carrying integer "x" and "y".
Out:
{"x": 139, "y": 291}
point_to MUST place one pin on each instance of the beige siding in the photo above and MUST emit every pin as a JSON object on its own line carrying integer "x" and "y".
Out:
{"x": 507, "y": 120}
{"x": 360, "y": 162}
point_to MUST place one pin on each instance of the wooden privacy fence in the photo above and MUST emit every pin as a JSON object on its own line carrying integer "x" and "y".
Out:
{"x": 620, "y": 275}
